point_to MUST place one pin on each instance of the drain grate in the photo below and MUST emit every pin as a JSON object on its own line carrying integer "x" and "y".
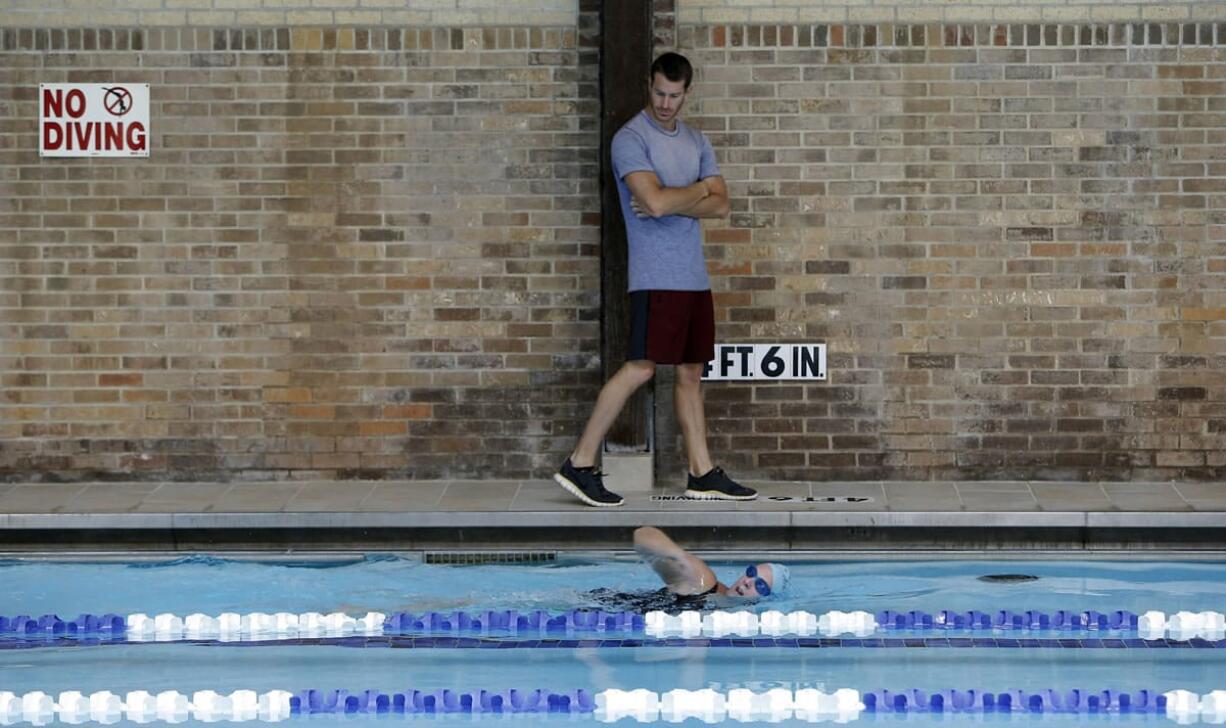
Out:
{"x": 490, "y": 557}
{"x": 1007, "y": 578}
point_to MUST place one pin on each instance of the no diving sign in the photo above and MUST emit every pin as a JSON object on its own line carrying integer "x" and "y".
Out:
{"x": 767, "y": 362}
{"x": 93, "y": 119}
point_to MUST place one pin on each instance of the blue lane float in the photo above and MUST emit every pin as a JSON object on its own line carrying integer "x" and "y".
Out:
{"x": 1028, "y": 701}
{"x": 103, "y": 625}
{"x": 311, "y": 702}
{"x": 1008, "y": 620}
{"x": 511, "y": 622}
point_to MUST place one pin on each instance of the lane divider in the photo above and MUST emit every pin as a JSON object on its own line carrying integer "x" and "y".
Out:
{"x": 645, "y": 706}
{"x": 1152, "y": 625}
{"x": 442, "y": 701}
{"x": 568, "y": 642}
{"x": 142, "y": 707}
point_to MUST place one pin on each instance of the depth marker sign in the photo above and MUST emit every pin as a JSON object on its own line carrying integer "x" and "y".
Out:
{"x": 93, "y": 119}
{"x": 767, "y": 362}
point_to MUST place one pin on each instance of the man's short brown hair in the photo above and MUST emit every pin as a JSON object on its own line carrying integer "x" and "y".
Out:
{"x": 673, "y": 66}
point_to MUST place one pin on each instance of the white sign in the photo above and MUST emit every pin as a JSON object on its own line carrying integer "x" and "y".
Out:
{"x": 767, "y": 362}
{"x": 93, "y": 119}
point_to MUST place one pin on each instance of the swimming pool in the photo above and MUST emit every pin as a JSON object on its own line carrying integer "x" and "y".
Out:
{"x": 998, "y": 661}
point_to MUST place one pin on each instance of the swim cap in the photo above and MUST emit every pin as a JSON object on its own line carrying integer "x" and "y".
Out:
{"x": 781, "y": 577}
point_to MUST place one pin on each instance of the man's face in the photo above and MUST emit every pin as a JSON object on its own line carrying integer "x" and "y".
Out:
{"x": 666, "y": 99}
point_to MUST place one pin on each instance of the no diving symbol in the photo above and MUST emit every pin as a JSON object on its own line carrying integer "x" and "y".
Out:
{"x": 117, "y": 100}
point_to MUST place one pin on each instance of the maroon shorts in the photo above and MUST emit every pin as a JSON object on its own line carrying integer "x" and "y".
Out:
{"x": 672, "y": 327}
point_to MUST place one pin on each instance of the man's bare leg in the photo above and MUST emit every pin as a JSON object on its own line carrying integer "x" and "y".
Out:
{"x": 705, "y": 480}
{"x": 687, "y": 397}
{"x": 613, "y": 396}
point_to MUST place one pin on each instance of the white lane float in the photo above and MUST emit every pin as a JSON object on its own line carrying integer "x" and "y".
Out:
{"x": 139, "y": 706}
{"x": 857, "y": 624}
{"x": 1209, "y": 625}
{"x": 741, "y": 705}
{"x": 614, "y": 705}
{"x": 720, "y": 623}
{"x": 726, "y": 624}
{"x": 230, "y": 626}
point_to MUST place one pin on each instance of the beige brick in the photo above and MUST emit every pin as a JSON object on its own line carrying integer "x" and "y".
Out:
{"x": 1165, "y": 12}
{"x": 726, "y": 15}
{"x": 969, "y": 15}
{"x": 822, "y": 14}
{"x": 1115, "y": 13}
{"x": 409, "y": 18}
{"x": 262, "y": 17}
{"x": 210, "y": 18}
{"x": 773, "y": 15}
{"x": 1070, "y": 14}
{"x": 907, "y": 14}
{"x": 309, "y": 17}
{"x": 1017, "y": 14}
{"x": 1208, "y": 11}
{"x": 458, "y": 17}
{"x": 96, "y": 18}
{"x": 539, "y": 17}
{"x": 163, "y": 18}
{"x": 1079, "y": 138}
{"x": 359, "y": 17}
{"x": 870, "y": 15}
{"x": 689, "y": 14}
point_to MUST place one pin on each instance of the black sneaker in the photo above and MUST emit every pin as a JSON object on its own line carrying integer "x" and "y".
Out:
{"x": 587, "y": 485}
{"x": 716, "y": 485}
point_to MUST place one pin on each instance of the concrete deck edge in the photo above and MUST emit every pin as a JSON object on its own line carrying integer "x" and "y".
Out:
{"x": 612, "y": 519}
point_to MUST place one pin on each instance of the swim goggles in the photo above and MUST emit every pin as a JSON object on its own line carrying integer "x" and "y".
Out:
{"x": 759, "y": 584}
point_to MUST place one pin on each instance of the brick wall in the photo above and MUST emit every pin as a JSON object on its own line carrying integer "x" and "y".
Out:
{"x": 365, "y": 242}
{"x": 1012, "y": 236}
{"x": 354, "y": 251}
{"x": 291, "y": 13}
{"x": 946, "y": 11}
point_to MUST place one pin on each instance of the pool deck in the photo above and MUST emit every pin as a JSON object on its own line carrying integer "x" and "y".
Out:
{"x": 519, "y": 515}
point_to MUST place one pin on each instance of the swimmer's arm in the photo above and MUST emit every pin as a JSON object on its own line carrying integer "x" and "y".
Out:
{"x": 681, "y": 571}
{"x": 650, "y": 198}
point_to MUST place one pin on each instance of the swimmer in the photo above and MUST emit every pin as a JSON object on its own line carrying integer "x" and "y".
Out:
{"x": 689, "y": 582}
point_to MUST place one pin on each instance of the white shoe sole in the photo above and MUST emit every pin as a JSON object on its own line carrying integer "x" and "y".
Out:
{"x": 576, "y": 492}
{"x": 717, "y": 495}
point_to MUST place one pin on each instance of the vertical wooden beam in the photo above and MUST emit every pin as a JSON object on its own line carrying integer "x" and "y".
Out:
{"x": 625, "y": 59}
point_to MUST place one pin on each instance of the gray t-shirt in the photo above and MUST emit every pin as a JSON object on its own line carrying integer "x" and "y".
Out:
{"x": 666, "y": 252}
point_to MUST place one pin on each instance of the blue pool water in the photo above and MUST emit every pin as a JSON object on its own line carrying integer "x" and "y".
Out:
{"x": 388, "y": 584}
{"x": 385, "y": 584}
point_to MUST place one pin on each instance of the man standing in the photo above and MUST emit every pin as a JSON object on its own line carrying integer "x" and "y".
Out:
{"x": 667, "y": 179}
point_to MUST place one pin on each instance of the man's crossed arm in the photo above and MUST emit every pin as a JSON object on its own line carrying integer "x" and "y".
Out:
{"x": 706, "y": 198}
